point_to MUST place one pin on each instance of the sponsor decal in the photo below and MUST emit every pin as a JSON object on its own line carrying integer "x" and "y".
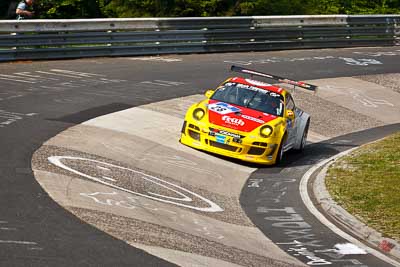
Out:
{"x": 223, "y": 108}
{"x": 245, "y": 86}
{"x": 274, "y": 94}
{"x": 233, "y": 121}
{"x": 253, "y": 119}
{"x": 257, "y": 83}
{"x": 256, "y": 89}
{"x": 220, "y": 139}
{"x": 229, "y": 134}
{"x": 226, "y": 133}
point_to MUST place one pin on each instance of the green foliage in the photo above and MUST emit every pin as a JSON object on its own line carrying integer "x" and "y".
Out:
{"x": 357, "y": 7}
{"x": 166, "y": 8}
{"x": 272, "y": 7}
{"x": 68, "y": 9}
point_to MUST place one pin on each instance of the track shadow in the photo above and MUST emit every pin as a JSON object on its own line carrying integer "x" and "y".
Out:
{"x": 85, "y": 115}
{"x": 311, "y": 154}
{"x": 316, "y": 152}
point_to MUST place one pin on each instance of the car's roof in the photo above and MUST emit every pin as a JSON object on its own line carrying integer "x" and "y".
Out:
{"x": 258, "y": 84}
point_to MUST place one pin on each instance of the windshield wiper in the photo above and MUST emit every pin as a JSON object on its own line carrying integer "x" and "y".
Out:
{"x": 247, "y": 106}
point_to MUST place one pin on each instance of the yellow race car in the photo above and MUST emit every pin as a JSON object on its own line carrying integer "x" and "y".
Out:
{"x": 247, "y": 119}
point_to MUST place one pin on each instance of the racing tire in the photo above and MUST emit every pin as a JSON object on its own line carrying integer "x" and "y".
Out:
{"x": 279, "y": 155}
{"x": 304, "y": 138}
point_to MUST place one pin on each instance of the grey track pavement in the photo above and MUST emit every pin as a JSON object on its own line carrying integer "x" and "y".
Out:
{"x": 132, "y": 139}
{"x": 145, "y": 139}
{"x": 129, "y": 171}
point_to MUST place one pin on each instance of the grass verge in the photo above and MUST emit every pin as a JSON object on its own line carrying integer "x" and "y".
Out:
{"x": 367, "y": 184}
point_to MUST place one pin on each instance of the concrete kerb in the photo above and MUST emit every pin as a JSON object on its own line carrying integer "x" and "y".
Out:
{"x": 342, "y": 217}
{"x": 347, "y": 220}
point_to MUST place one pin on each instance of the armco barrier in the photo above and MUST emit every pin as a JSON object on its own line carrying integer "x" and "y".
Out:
{"x": 53, "y": 39}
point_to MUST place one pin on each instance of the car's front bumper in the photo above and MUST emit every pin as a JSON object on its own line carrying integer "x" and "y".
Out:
{"x": 249, "y": 147}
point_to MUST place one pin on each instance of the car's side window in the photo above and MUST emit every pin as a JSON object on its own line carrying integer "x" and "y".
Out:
{"x": 289, "y": 102}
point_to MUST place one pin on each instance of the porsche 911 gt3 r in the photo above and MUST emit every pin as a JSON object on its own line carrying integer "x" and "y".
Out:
{"x": 247, "y": 119}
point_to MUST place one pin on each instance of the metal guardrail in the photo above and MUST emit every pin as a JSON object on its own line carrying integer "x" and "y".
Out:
{"x": 55, "y": 39}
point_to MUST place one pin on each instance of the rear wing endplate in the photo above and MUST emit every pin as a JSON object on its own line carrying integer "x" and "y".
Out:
{"x": 274, "y": 77}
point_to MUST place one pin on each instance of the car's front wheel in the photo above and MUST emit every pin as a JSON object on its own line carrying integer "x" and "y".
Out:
{"x": 304, "y": 137}
{"x": 279, "y": 155}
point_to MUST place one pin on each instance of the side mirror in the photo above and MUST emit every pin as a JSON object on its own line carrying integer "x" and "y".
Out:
{"x": 289, "y": 114}
{"x": 209, "y": 93}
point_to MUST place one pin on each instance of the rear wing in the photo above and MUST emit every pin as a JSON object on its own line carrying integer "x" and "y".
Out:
{"x": 280, "y": 79}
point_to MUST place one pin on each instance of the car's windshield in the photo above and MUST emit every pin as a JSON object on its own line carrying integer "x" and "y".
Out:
{"x": 250, "y": 97}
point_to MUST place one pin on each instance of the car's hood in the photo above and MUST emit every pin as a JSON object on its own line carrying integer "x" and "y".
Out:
{"x": 236, "y": 117}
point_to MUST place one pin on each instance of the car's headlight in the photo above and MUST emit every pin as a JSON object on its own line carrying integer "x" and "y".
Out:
{"x": 266, "y": 131}
{"x": 198, "y": 113}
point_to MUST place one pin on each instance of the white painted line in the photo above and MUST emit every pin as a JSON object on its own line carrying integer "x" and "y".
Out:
{"x": 11, "y": 117}
{"x": 84, "y": 74}
{"x": 57, "y": 160}
{"x": 153, "y": 83}
{"x": 112, "y": 80}
{"x": 349, "y": 249}
{"x": 162, "y": 59}
{"x": 109, "y": 179}
{"x": 35, "y": 248}
{"x": 53, "y": 87}
{"x": 8, "y": 122}
{"x": 70, "y": 84}
{"x": 16, "y": 77}
{"x": 8, "y": 78}
{"x": 10, "y": 113}
{"x": 169, "y": 82}
{"x": 27, "y": 74}
{"x": 58, "y": 74}
{"x": 17, "y": 242}
{"x": 310, "y": 206}
{"x": 8, "y": 229}
{"x": 103, "y": 168}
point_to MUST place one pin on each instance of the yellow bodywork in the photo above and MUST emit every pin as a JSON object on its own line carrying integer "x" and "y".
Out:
{"x": 252, "y": 146}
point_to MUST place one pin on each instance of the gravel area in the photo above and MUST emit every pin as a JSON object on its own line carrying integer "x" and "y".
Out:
{"x": 391, "y": 80}
{"x": 135, "y": 231}
{"x": 329, "y": 119}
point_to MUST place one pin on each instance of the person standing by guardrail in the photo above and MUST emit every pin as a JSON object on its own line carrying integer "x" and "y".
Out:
{"x": 24, "y": 10}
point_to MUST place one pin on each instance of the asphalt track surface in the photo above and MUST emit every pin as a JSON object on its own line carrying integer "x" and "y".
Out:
{"x": 276, "y": 207}
{"x": 35, "y": 231}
